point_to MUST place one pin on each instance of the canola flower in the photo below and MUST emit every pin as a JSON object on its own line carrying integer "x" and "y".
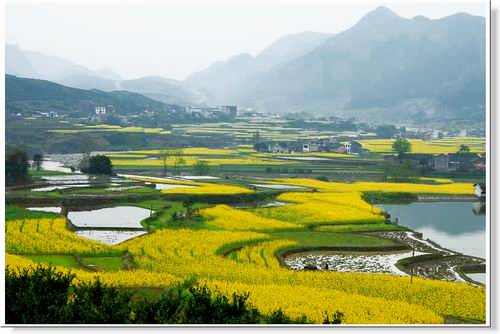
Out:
{"x": 48, "y": 236}
{"x": 416, "y": 188}
{"x": 167, "y": 256}
{"x": 448, "y": 145}
{"x": 209, "y": 189}
{"x": 195, "y": 188}
{"x": 185, "y": 253}
{"x": 262, "y": 254}
{"x": 131, "y": 278}
{"x": 191, "y": 151}
{"x": 296, "y": 301}
{"x": 192, "y": 160}
{"x": 233, "y": 219}
{"x": 323, "y": 208}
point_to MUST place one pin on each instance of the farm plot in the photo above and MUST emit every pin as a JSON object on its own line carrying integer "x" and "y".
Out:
{"x": 448, "y": 145}
{"x": 235, "y": 250}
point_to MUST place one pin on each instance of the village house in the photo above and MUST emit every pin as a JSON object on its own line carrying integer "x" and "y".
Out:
{"x": 278, "y": 148}
{"x": 441, "y": 162}
{"x": 100, "y": 110}
{"x": 311, "y": 146}
{"x": 461, "y": 161}
{"x": 420, "y": 160}
{"x": 352, "y": 147}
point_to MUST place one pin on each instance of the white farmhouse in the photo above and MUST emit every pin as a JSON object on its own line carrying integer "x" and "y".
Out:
{"x": 100, "y": 110}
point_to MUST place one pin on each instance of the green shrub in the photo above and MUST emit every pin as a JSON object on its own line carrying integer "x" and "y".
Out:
{"x": 43, "y": 296}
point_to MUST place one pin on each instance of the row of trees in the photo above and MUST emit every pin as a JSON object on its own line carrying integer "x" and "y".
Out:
{"x": 177, "y": 157}
{"x": 17, "y": 165}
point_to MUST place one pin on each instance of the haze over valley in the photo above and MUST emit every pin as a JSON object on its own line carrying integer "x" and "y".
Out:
{"x": 384, "y": 67}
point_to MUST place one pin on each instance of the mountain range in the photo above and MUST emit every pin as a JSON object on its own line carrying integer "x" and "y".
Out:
{"x": 33, "y": 95}
{"x": 385, "y": 67}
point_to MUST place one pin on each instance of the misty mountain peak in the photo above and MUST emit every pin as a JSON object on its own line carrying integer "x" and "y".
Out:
{"x": 380, "y": 14}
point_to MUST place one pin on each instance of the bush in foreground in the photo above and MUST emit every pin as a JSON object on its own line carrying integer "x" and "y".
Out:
{"x": 44, "y": 296}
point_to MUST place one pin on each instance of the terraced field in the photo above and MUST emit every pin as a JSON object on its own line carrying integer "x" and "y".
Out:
{"x": 238, "y": 250}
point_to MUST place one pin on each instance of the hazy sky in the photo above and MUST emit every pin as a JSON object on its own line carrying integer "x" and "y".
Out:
{"x": 175, "y": 39}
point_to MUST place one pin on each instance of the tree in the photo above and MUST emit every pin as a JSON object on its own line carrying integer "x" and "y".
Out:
{"x": 463, "y": 149}
{"x": 165, "y": 154}
{"x": 87, "y": 145}
{"x": 178, "y": 160}
{"x": 201, "y": 167}
{"x": 403, "y": 172}
{"x": 401, "y": 146}
{"x": 188, "y": 204}
{"x": 99, "y": 164}
{"x": 386, "y": 131}
{"x": 113, "y": 120}
{"x": 37, "y": 161}
{"x": 261, "y": 147}
{"x": 256, "y": 137}
{"x": 16, "y": 167}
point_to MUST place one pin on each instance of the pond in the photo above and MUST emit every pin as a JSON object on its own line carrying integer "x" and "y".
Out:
{"x": 453, "y": 225}
{"x": 109, "y": 237}
{"x": 479, "y": 277}
{"x": 198, "y": 177}
{"x": 54, "y": 209}
{"x": 117, "y": 217}
{"x": 160, "y": 186}
{"x": 52, "y": 188}
{"x": 56, "y": 166}
{"x": 379, "y": 262}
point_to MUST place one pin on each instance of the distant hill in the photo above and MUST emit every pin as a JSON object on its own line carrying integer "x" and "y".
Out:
{"x": 167, "y": 90}
{"x": 384, "y": 68}
{"x": 29, "y": 95}
{"x": 32, "y": 64}
{"x": 226, "y": 80}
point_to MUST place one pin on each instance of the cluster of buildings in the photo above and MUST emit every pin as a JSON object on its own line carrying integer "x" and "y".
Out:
{"x": 414, "y": 133}
{"x": 451, "y": 162}
{"x": 227, "y": 111}
{"x": 42, "y": 114}
{"x": 318, "y": 145}
{"x": 212, "y": 112}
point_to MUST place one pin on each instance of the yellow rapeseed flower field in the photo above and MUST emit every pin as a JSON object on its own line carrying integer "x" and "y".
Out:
{"x": 233, "y": 219}
{"x": 323, "y": 208}
{"x": 195, "y": 188}
{"x": 190, "y": 151}
{"x": 452, "y": 189}
{"x": 167, "y": 256}
{"x": 48, "y": 236}
{"x": 449, "y": 145}
{"x": 237, "y": 253}
{"x": 131, "y": 278}
{"x": 190, "y": 160}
